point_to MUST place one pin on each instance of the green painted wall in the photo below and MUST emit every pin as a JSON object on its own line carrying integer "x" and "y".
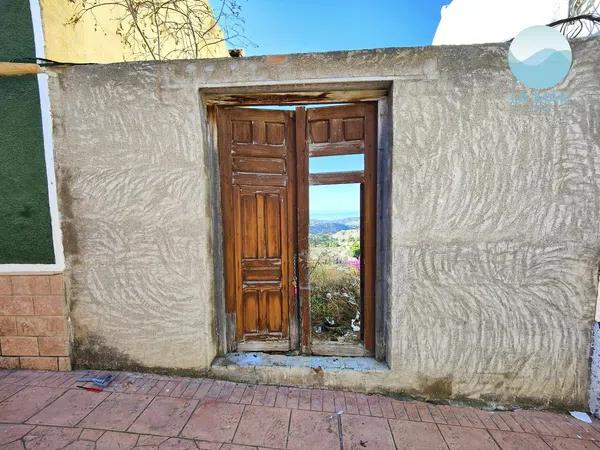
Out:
{"x": 25, "y": 230}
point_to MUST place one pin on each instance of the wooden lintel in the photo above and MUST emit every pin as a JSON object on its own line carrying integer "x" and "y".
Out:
{"x": 294, "y": 98}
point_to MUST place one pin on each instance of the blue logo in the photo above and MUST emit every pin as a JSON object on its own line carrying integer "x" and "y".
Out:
{"x": 540, "y": 57}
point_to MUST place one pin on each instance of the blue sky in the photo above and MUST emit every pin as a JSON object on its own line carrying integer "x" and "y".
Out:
{"x": 293, "y": 26}
{"x": 297, "y": 26}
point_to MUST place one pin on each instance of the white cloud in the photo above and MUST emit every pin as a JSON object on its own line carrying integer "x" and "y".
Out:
{"x": 482, "y": 21}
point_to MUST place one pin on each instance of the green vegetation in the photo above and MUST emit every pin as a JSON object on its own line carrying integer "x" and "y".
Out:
{"x": 335, "y": 285}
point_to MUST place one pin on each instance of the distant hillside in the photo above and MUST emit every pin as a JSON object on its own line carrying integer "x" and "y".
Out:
{"x": 333, "y": 226}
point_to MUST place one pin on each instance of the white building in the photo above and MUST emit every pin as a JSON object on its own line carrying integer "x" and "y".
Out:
{"x": 482, "y": 21}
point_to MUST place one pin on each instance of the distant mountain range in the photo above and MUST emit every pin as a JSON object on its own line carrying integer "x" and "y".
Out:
{"x": 333, "y": 226}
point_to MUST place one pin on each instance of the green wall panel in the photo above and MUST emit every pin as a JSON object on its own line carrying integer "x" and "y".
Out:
{"x": 25, "y": 229}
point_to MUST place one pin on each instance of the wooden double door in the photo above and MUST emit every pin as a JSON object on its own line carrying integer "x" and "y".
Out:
{"x": 264, "y": 177}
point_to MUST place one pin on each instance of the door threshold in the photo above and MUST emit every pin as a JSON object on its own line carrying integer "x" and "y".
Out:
{"x": 359, "y": 373}
{"x": 259, "y": 359}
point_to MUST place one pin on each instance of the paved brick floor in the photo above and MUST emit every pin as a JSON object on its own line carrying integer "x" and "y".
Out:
{"x": 45, "y": 410}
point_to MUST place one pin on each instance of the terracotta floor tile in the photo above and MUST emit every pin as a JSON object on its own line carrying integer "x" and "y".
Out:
{"x": 117, "y": 412}
{"x": 158, "y": 387}
{"x": 461, "y": 416}
{"x": 226, "y": 392}
{"x": 502, "y": 425}
{"x": 374, "y": 406}
{"x": 215, "y": 389}
{"x": 339, "y": 401}
{"x": 191, "y": 389}
{"x": 437, "y": 415}
{"x": 9, "y": 389}
{"x": 400, "y": 411}
{"x": 486, "y": 419}
{"x": 237, "y": 447}
{"x": 259, "y": 395}
{"x": 27, "y": 402}
{"x": 9, "y": 432}
{"x": 169, "y": 388}
{"x": 147, "y": 386}
{"x": 509, "y": 440}
{"x": 50, "y": 438}
{"x": 416, "y": 435}
{"x": 560, "y": 443}
{"x": 180, "y": 388}
{"x": 424, "y": 413}
{"x": 271, "y": 396}
{"x": 91, "y": 435}
{"x": 471, "y": 414}
{"x": 282, "y": 396}
{"x": 214, "y": 415}
{"x": 248, "y": 394}
{"x": 150, "y": 441}
{"x": 351, "y": 406}
{"x": 329, "y": 401}
{"x": 304, "y": 399}
{"x": 512, "y": 423}
{"x": 206, "y": 445}
{"x": 263, "y": 426}
{"x": 293, "y": 398}
{"x": 412, "y": 411}
{"x": 214, "y": 421}
{"x": 360, "y": 432}
{"x": 16, "y": 445}
{"x": 386, "y": 407}
{"x": 112, "y": 440}
{"x": 178, "y": 444}
{"x": 69, "y": 409}
{"x": 237, "y": 393}
{"x": 448, "y": 413}
{"x": 164, "y": 416}
{"x": 467, "y": 438}
{"x": 312, "y": 430}
{"x": 203, "y": 389}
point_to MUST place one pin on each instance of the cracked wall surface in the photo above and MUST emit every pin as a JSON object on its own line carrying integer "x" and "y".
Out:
{"x": 495, "y": 213}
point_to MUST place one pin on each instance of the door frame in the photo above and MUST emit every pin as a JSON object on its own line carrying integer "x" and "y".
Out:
{"x": 367, "y": 178}
{"x": 377, "y": 91}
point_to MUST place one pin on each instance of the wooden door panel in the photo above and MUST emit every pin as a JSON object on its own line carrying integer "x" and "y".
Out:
{"x": 256, "y": 151}
{"x": 259, "y": 165}
{"x": 250, "y": 308}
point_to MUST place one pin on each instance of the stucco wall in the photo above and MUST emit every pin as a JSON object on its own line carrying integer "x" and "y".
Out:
{"x": 495, "y": 243}
{"x": 134, "y": 200}
{"x": 494, "y": 229}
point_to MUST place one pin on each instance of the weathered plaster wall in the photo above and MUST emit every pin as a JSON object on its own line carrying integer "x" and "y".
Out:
{"x": 133, "y": 195}
{"x": 494, "y": 217}
{"x": 495, "y": 243}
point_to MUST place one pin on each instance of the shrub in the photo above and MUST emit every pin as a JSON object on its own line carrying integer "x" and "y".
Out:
{"x": 334, "y": 294}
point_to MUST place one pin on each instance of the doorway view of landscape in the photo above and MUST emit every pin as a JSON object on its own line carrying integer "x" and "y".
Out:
{"x": 334, "y": 263}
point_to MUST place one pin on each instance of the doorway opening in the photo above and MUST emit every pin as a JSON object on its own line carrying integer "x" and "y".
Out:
{"x": 298, "y": 199}
{"x": 334, "y": 265}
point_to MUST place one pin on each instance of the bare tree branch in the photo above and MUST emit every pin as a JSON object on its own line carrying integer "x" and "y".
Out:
{"x": 163, "y": 29}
